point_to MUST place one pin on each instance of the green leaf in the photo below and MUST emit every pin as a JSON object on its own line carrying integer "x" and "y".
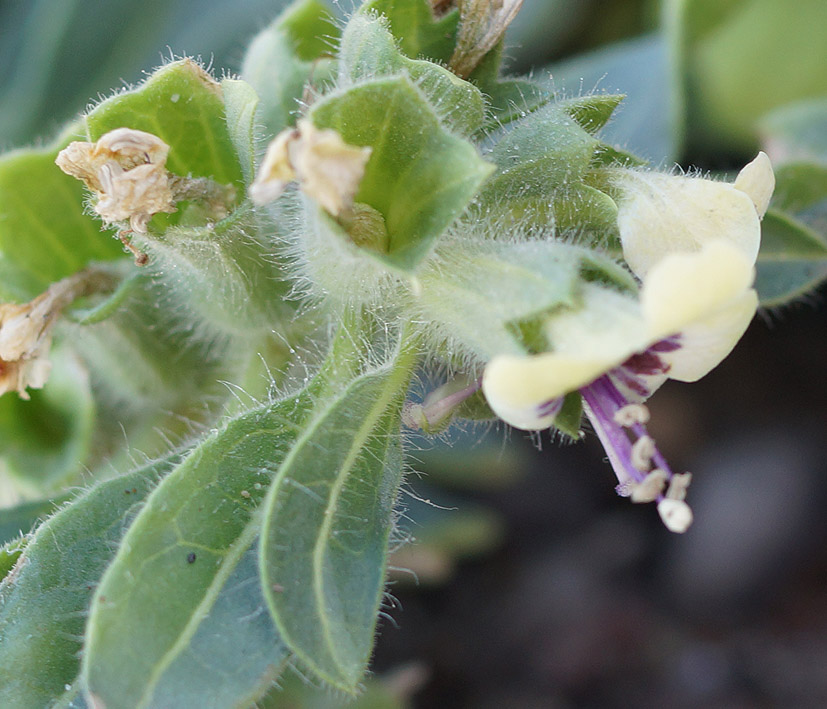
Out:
{"x": 649, "y": 123}
{"x": 294, "y": 692}
{"x": 792, "y": 259}
{"x": 414, "y": 26}
{"x": 473, "y": 295}
{"x": 184, "y": 106}
{"x": 240, "y": 104}
{"x": 326, "y": 524}
{"x": 43, "y": 602}
{"x": 368, "y": 51}
{"x": 420, "y": 177}
{"x": 235, "y": 655}
{"x": 287, "y": 55}
{"x": 309, "y": 27}
{"x": 44, "y": 234}
{"x": 45, "y": 442}
{"x": 172, "y": 582}
{"x": 801, "y": 188}
{"x": 540, "y": 153}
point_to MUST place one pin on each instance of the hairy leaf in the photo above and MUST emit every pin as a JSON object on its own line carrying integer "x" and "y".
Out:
{"x": 508, "y": 99}
{"x": 287, "y": 55}
{"x": 420, "y": 177}
{"x": 44, "y": 234}
{"x": 44, "y": 599}
{"x": 327, "y": 519}
{"x": 184, "y": 106}
{"x": 368, "y": 51}
{"x": 175, "y": 579}
{"x": 23, "y": 517}
{"x": 414, "y": 26}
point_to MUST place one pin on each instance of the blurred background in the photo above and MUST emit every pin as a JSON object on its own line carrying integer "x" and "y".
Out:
{"x": 532, "y": 584}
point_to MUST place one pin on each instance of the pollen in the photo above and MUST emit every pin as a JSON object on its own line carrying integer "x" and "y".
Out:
{"x": 631, "y": 415}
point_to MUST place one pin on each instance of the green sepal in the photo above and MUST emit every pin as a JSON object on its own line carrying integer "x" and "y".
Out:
{"x": 475, "y": 408}
{"x": 578, "y": 210}
{"x": 368, "y": 51}
{"x": 420, "y": 177}
{"x": 569, "y": 418}
{"x": 597, "y": 267}
{"x": 507, "y": 99}
{"x": 474, "y": 296}
{"x": 240, "y": 108}
{"x": 326, "y": 524}
{"x": 414, "y": 26}
{"x": 46, "y": 441}
{"x": 225, "y": 272}
{"x": 606, "y": 155}
{"x": 44, "y": 600}
{"x": 284, "y": 57}
{"x": 178, "y": 567}
{"x": 592, "y": 112}
{"x": 541, "y": 154}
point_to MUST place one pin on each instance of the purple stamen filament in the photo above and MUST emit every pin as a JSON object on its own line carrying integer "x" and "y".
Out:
{"x": 602, "y": 401}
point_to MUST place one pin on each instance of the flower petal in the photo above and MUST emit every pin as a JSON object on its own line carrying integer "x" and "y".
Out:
{"x": 586, "y": 342}
{"x": 757, "y": 180}
{"x": 664, "y": 214}
{"x": 522, "y": 391}
{"x": 706, "y": 297}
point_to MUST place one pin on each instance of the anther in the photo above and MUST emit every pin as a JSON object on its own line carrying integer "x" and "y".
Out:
{"x": 632, "y": 414}
{"x": 650, "y": 488}
{"x": 676, "y": 515}
{"x": 678, "y": 485}
{"x": 642, "y": 451}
